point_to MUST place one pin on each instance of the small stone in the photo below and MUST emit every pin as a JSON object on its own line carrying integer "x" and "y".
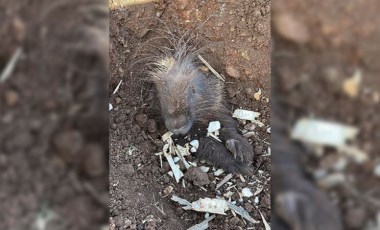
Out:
{"x": 197, "y": 176}
{"x": 11, "y": 97}
{"x": 291, "y": 28}
{"x": 141, "y": 119}
{"x": 168, "y": 190}
{"x": 234, "y": 221}
{"x": 118, "y": 100}
{"x": 152, "y": 126}
{"x": 232, "y": 72}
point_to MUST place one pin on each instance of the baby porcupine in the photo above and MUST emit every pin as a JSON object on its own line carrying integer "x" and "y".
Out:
{"x": 189, "y": 99}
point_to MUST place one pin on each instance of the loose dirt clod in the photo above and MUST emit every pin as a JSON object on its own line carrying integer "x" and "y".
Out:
{"x": 197, "y": 176}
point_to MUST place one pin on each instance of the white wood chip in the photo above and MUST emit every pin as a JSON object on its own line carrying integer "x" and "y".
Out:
{"x": 175, "y": 168}
{"x": 322, "y": 132}
{"x": 246, "y": 192}
{"x": 117, "y": 87}
{"x": 245, "y": 114}
{"x": 213, "y": 126}
{"x": 203, "y": 225}
{"x": 218, "y": 172}
{"x": 266, "y": 225}
{"x": 227, "y": 178}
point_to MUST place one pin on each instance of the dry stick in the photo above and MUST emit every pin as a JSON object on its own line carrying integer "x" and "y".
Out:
{"x": 132, "y": 2}
{"x": 210, "y": 67}
{"x": 11, "y": 65}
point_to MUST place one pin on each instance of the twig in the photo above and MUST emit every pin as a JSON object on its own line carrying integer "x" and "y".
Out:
{"x": 210, "y": 67}
{"x": 11, "y": 65}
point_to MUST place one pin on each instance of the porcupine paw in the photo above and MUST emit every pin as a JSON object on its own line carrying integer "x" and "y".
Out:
{"x": 241, "y": 149}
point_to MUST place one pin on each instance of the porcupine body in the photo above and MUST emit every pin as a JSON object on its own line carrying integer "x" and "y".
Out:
{"x": 189, "y": 99}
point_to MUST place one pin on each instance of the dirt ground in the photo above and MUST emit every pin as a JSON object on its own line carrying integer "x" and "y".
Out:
{"x": 239, "y": 32}
{"x": 332, "y": 41}
{"x": 53, "y": 168}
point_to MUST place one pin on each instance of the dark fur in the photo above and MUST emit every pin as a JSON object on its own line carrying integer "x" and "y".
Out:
{"x": 188, "y": 97}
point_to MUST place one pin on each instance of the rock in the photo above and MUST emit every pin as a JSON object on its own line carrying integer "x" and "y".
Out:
{"x": 94, "y": 160}
{"x": 68, "y": 144}
{"x": 118, "y": 100}
{"x": 234, "y": 221}
{"x": 152, "y": 126}
{"x": 291, "y": 28}
{"x": 141, "y": 119}
{"x": 11, "y": 98}
{"x": 168, "y": 190}
{"x": 232, "y": 72}
{"x": 197, "y": 176}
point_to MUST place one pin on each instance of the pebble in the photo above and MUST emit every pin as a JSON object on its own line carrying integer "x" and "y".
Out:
{"x": 291, "y": 28}
{"x": 232, "y": 72}
{"x": 168, "y": 190}
{"x": 234, "y": 221}
{"x": 117, "y": 100}
{"x": 197, "y": 176}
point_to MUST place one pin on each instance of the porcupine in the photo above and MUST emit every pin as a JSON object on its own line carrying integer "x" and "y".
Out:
{"x": 189, "y": 99}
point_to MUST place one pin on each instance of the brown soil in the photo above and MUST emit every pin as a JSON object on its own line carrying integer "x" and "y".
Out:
{"x": 341, "y": 38}
{"x": 53, "y": 169}
{"x": 239, "y": 32}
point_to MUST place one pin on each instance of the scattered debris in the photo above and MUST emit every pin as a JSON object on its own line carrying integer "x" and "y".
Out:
{"x": 245, "y": 114}
{"x": 210, "y": 67}
{"x": 217, "y": 206}
{"x": 227, "y": 178}
{"x": 213, "y": 130}
{"x": 110, "y": 107}
{"x": 351, "y": 85}
{"x": 117, "y": 87}
{"x": 177, "y": 173}
{"x": 168, "y": 190}
{"x": 257, "y": 95}
{"x": 218, "y": 172}
{"x": 203, "y": 225}
{"x": 197, "y": 176}
{"x": 11, "y": 65}
{"x": 232, "y": 72}
{"x": 323, "y": 132}
{"x": 246, "y": 192}
{"x": 326, "y": 133}
{"x": 266, "y": 225}
{"x": 257, "y": 200}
